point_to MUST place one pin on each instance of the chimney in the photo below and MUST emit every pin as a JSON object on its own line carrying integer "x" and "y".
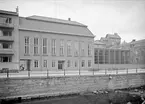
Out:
{"x": 69, "y": 19}
{"x": 17, "y": 9}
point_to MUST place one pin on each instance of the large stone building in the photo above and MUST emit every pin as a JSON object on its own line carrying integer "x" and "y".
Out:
{"x": 40, "y": 43}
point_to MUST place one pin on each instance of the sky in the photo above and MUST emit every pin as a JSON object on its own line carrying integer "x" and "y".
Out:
{"x": 125, "y": 17}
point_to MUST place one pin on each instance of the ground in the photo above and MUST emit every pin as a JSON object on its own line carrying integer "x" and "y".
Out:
{"x": 122, "y": 96}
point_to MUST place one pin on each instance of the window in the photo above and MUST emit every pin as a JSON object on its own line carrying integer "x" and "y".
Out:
{"x": 96, "y": 59}
{"x": 82, "y": 49}
{"x": 44, "y": 46}
{"x": 7, "y": 33}
{"x": 53, "y": 63}
{"x": 26, "y": 45}
{"x": 89, "y": 63}
{"x": 35, "y": 46}
{"x": 36, "y": 63}
{"x": 76, "y": 63}
{"x": 83, "y": 63}
{"x": 68, "y": 63}
{"x": 89, "y": 49}
{"x": 61, "y": 47}
{"x": 5, "y": 58}
{"x": 76, "y": 46}
{"x": 45, "y": 63}
{"x": 7, "y": 45}
{"x": 8, "y": 20}
{"x": 53, "y": 47}
{"x": 69, "y": 48}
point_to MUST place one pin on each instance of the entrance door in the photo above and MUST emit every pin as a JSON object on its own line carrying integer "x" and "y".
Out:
{"x": 60, "y": 65}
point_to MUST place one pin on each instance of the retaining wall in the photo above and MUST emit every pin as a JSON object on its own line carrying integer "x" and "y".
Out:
{"x": 69, "y": 84}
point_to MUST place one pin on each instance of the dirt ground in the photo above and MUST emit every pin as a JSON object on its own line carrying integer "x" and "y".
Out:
{"x": 123, "y": 96}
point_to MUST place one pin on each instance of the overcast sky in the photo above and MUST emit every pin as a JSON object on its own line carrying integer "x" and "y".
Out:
{"x": 125, "y": 17}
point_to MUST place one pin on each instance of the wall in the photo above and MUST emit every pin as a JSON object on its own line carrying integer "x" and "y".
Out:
{"x": 53, "y": 85}
{"x": 49, "y": 57}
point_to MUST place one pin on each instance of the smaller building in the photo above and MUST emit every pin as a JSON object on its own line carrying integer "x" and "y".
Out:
{"x": 111, "y": 40}
{"x": 137, "y": 51}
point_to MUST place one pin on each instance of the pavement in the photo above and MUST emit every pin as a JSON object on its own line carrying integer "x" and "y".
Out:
{"x": 58, "y": 73}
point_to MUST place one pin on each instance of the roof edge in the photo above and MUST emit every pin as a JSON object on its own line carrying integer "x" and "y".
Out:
{"x": 8, "y": 12}
{"x": 53, "y": 32}
{"x": 56, "y": 22}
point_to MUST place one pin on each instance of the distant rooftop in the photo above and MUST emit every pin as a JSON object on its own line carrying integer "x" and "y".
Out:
{"x": 8, "y": 12}
{"x": 115, "y": 35}
{"x": 55, "y": 20}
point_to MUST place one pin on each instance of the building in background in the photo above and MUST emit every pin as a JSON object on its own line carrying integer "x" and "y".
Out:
{"x": 111, "y": 40}
{"x": 9, "y": 40}
{"x": 41, "y": 43}
{"x": 109, "y": 53}
{"x": 137, "y": 51}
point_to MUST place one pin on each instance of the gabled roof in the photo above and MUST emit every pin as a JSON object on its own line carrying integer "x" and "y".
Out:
{"x": 115, "y": 35}
{"x": 8, "y": 12}
{"x": 55, "y": 26}
{"x": 54, "y": 20}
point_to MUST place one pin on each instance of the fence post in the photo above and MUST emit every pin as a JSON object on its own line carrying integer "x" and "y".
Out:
{"x": 127, "y": 70}
{"x": 136, "y": 70}
{"x": 64, "y": 72}
{"x": 105, "y": 71}
{"x": 29, "y": 73}
{"x": 93, "y": 71}
{"x": 7, "y": 73}
{"x": 117, "y": 71}
{"x": 47, "y": 73}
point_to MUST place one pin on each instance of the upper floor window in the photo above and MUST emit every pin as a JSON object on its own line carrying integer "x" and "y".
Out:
{"x": 7, "y": 33}
{"x": 76, "y": 46}
{"x": 61, "y": 47}
{"x": 53, "y": 47}
{"x": 69, "y": 48}
{"x": 45, "y": 46}
{"x": 26, "y": 45}
{"x": 89, "y": 49}
{"x": 82, "y": 49}
{"x": 35, "y": 46}
{"x": 8, "y": 20}
{"x": 5, "y": 58}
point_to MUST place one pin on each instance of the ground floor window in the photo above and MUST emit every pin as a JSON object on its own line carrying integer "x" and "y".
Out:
{"x": 83, "y": 63}
{"x": 76, "y": 63}
{"x": 68, "y": 63}
{"x": 36, "y": 63}
{"x": 53, "y": 63}
{"x": 45, "y": 63}
{"x": 89, "y": 63}
{"x": 5, "y": 58}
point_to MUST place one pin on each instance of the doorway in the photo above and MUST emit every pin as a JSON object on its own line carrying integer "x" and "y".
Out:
{"x": 60, "y": 65}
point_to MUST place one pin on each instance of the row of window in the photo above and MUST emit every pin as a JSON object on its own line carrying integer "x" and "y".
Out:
{"x": 111, "y": 57}
{"x": 69, "y": 64}
{"x": 62, "y": 46}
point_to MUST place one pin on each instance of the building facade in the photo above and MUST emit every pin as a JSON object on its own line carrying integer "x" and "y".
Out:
{"x": 137, "y": 51}
{"x": 9, "y": 40}
{"x": 42, "y": 43}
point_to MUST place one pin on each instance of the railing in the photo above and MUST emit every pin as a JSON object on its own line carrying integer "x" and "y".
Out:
{"x": 63, "y": 73}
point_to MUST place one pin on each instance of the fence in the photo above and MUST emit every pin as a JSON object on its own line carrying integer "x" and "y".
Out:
{"x": 63, "y": 73}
